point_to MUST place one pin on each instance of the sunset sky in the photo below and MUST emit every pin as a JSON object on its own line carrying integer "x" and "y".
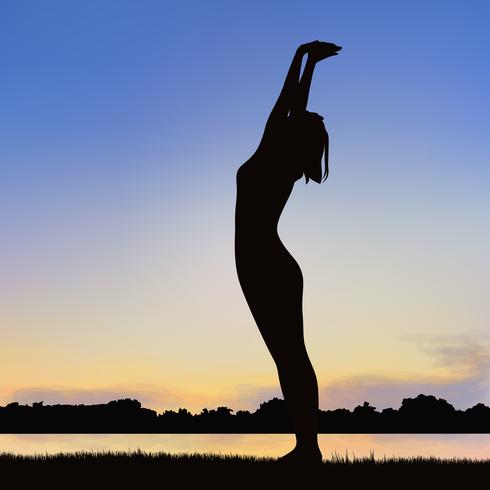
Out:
{"x": 122, "y": 126}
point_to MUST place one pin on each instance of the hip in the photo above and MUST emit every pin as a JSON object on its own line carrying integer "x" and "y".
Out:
{"x": 267, "y": 262}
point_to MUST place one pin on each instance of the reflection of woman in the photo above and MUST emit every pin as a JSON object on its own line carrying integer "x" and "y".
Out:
{"x": 293, "y": 144}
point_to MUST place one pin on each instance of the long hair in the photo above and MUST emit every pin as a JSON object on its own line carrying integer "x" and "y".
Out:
{"x": 315, "y": 136}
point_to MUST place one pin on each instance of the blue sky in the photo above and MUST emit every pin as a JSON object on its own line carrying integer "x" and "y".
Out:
{"x": 123, "y": 124}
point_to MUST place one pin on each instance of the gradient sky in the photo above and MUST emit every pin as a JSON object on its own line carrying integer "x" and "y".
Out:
{"x": 122, "y": 126}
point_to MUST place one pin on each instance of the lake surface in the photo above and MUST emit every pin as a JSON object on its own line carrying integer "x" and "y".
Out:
{"x": 273, "y": 445}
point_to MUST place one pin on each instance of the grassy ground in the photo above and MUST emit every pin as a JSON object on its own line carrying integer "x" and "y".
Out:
{"x": 162, "y": 470}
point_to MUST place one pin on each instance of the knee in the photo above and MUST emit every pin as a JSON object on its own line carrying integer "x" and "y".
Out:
{"x": 292, "y": 359}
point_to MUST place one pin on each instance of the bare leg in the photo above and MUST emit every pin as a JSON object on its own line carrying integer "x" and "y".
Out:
{"x": 283, "y": 335}
{"x": 300, "y": 389}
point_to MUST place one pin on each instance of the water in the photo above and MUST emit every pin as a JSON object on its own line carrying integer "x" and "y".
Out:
{"x": 273, "y": 445}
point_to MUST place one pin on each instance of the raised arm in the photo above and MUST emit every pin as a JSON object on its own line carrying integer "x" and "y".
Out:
{"x": 288, "y": 92}
{"x": 317, "y": 51}
{"x": 300, "y": 100}
{"x": 294, "y": 94}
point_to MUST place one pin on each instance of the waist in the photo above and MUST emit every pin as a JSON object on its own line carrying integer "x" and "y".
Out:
{"x": 255, "y": 241}
{"x": 256, "y": 227}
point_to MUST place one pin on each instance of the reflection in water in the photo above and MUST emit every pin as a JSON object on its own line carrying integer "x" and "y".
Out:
{"x": 400, "y": 445}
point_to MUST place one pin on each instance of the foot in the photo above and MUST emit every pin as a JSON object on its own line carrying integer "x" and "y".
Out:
{"x": 309, "y": 456}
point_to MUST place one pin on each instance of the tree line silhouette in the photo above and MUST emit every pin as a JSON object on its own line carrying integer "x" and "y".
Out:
{"x": 423, "y": 414}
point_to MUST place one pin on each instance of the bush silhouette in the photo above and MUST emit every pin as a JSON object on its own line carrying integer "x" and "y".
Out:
{"x": 423, "y": 414}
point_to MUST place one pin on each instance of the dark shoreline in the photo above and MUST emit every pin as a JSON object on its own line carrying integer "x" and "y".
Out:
{"x": 424, "y": 414}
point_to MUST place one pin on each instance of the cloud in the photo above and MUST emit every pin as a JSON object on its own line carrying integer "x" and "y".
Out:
{"x": 249, "y": 397}
{"x": 239, "y": 397}
{"x": 465, "y": 357}
{"x": 150, "y": 396}
{"x": 389, "y": 391}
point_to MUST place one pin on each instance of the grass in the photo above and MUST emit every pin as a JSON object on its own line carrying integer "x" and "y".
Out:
{"x": 140, "y": 469}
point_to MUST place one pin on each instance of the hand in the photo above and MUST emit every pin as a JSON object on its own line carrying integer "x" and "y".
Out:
{"x": 318, "y": 50}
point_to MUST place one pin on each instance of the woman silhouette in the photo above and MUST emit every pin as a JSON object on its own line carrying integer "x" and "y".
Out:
{"x": 292, "y": 145}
